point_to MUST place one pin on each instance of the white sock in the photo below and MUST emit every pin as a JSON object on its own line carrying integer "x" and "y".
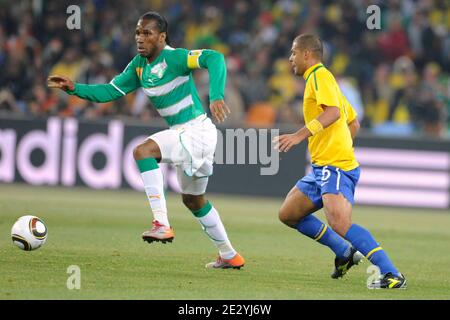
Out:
{"x": 154, "y": 188}
{"x": 213, "y": 227}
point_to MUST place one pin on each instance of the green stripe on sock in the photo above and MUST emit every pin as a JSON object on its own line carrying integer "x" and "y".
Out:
{"x": 203, "y": 211}
{"x": 147, "y": 164}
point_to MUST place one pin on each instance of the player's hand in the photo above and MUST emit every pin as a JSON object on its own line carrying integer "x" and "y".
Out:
{"x": 219, "y": 110}
{"x": 285, "y": 142}
{"x": 60, "y": 82}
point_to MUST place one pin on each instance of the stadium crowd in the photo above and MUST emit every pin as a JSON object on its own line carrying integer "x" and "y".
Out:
{"x": 397, "y": 77}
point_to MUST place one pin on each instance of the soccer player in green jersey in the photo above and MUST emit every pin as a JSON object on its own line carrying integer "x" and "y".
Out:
{"x": 165, "y": 75}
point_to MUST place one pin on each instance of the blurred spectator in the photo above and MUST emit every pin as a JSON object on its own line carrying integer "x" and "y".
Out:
{"x": 406, "y": 82}
{"x": 397, "y": 76}
{"x": 393, "y": 43}
{"x": 431, "y": 102}
{"x": 8, "y": 102}
{"x": 350, "y": 91}
{"x": 261, "y": 115}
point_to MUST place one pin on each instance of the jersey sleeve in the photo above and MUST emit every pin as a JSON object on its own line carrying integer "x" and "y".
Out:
{"x": 121, "y": 85}
{"x": 96, "y": 92}
{"x": 214, "y": 61}
{"x": 178, "y": 58}
{"x": 128, "y": 80}
{"x": 350, "y": 112}
{"x": 326, "y": 89}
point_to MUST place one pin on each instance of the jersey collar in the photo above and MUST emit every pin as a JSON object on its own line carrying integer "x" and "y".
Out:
{"x": 311, "y": 69}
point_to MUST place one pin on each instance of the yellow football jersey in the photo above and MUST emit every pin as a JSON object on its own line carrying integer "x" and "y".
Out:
{"x": 349, "y": 111}
{"x": 332, "y": 146}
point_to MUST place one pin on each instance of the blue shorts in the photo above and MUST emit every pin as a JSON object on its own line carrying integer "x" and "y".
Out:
{"x": 329, "y": 179}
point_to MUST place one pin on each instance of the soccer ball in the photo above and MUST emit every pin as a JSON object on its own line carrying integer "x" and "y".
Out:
{"x": 29, "y": 233}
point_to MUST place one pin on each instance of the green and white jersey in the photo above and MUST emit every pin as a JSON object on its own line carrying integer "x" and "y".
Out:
{"x": 167, "y": 81}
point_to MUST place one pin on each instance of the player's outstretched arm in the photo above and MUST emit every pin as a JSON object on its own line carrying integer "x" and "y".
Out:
{"x": 121, "y": 85}
{"x": 60, "y": 82}
{"x": 95, "y": 93}
{"x": 285, "y": 142}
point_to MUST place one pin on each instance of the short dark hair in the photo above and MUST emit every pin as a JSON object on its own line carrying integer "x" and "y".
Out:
{"x": 161, "y": 22}
{"x": 310, "y": 42}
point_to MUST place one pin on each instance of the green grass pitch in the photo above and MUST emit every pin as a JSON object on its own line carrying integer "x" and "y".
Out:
{"x": 100, "y": 231}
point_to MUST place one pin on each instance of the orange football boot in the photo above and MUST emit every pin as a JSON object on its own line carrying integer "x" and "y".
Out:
{"x": 159, "y": 233}
{"x": 236, "y": 262}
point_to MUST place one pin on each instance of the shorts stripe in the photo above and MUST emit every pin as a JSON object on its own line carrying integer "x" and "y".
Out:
{"x": 338, "y": 180}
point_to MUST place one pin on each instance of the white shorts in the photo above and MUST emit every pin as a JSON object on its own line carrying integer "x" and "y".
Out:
{"x": 190, "y": 147}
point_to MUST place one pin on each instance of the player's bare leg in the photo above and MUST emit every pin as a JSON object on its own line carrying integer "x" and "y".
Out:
{"x": 147, "y": 155}
{"x": 295, "y": 207}
{"x": 211, "y": 223}
{"x": 296, "y": 213}
{"x": 338, "y": 211}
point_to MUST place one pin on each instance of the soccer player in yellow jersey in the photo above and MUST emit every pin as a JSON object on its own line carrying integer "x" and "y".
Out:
{"x": 331, "y": 125}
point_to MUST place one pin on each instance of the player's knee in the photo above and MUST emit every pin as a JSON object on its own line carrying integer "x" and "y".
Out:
{"x": 341, "y": 225}
{"x": 285, "y": 216}
{"x": 282, "y": 216}
{"x": 188, "y": 201}
{"x": 193, "y": 202}
{"x": 147, "y": 149}
{"x": 139, "y": 152}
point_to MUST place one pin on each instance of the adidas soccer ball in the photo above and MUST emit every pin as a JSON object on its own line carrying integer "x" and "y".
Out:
{"x": 29, "y": 233}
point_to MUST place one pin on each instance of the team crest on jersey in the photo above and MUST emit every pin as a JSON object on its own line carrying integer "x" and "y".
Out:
{"x": 159, "y": 69}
